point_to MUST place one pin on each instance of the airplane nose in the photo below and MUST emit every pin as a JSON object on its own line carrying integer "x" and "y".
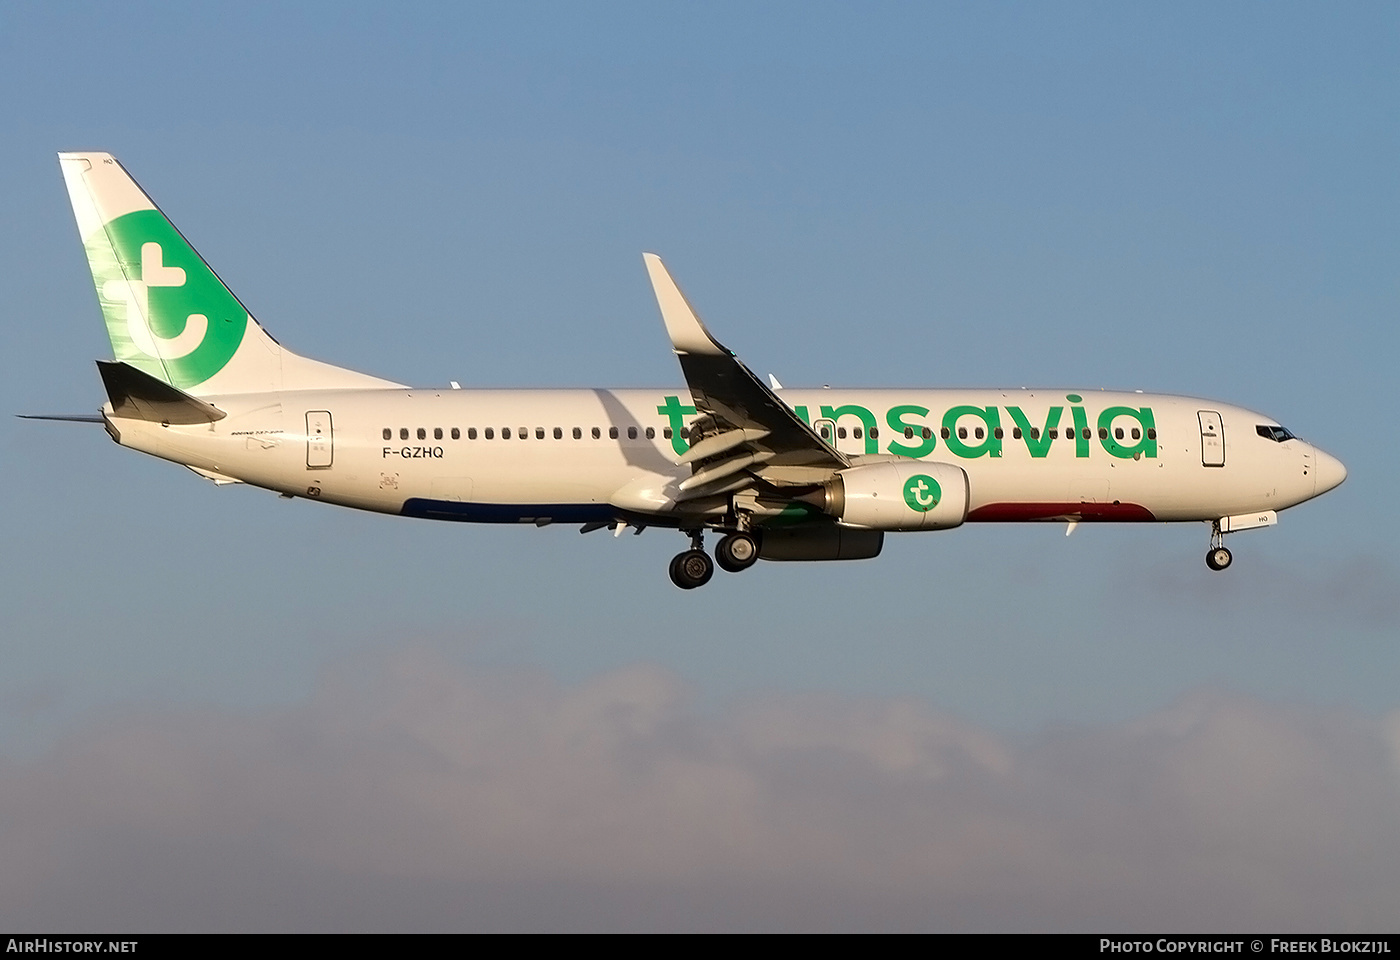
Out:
{"x": 1330, "y": 471}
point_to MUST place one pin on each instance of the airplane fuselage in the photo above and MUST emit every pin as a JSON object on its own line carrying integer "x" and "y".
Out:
{"x": 776, "y": 474}
{"x": 605, "y": 455}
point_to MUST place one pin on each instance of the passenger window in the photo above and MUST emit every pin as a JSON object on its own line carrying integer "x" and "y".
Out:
{"x": 841, "y": 433}
{"x": 651, "y": 433}
{"x": 1055, "y": 433}
{"x": 685, "y": 433}
{"x": 403, "y": 433}
{"x": 539, "y": 433}
{"x": 826, "y": 432}
{"x": 996, "y": 433}
{"x": 578, "y": 434}
{"x": 596, "y": 433}
{"x": 1015, "y": 433}
{"x": 926, "y": 433}
{"x": 962, "y": 433}
{"x": 857, "y": 433}
{"x": 980, "y": 433}
{"x": 471, "y": 433}
{"x": 1088, "y": 433}
{"x": 437, "y": 433}
{"x": 874, "y": 433}
{"x": 1103, "y": 433}
{"x": 1137, "y": 434}
{"x": 908, "y": 433}
{"x": 666, "y": 433}
{"x": 558, "y": 433}
{"x": 1118, "y": 433}
{"x": 456, "y": 433}
{"x": 1151, "y": 433}
{"x": 946, "y": 433}
{"x": 1035, "y": 433}
{"x": 612, "y": 433}
{"x": 524, "y": 433}
{"x": 490, "y": 434}
{"x": 631, "y": 433}
{"x": 505, "y": 433}
{"x": 422, "y": 434}
{"x": 388, "y": 434}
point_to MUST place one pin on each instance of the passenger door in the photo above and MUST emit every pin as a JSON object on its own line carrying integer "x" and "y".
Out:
{"x": 1212, "y": 439}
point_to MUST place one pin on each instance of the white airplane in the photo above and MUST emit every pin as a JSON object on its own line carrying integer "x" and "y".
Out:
{"x": 778, "y": 474}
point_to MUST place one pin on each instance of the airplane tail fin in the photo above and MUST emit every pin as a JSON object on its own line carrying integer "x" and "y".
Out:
{"x": 168, "y": 314}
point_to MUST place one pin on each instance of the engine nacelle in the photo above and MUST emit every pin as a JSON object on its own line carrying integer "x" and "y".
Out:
{"x": 899, "y": 495}
{"x": 822, "y": 540}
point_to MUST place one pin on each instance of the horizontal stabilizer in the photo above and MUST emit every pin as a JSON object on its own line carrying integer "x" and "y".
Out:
{"x": 140, "y": 396}
{"x": 67, "y": 417}
{"x": 218, "y": 478}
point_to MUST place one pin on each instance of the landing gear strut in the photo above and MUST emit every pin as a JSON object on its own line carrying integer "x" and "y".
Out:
{"x": 1218, "y": 557}
{"x": 693, "y": 568}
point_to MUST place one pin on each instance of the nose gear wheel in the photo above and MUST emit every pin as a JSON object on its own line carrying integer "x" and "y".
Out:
{"x": 1218, "y": 558}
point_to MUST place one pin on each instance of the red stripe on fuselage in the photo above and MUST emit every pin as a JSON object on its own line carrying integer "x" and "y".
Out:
{"x": 1021, "y": 512}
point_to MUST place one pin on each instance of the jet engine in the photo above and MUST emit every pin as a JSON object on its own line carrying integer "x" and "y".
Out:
{"x": 897, "y": 495}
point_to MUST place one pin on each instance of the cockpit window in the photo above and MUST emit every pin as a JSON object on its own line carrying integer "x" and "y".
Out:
{"x": 1277, "y": 434}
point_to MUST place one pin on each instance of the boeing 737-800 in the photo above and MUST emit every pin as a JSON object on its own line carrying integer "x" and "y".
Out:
{"x": 777, "y": 474}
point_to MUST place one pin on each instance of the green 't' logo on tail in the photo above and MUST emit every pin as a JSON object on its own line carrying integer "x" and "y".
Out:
{"x": 167, "y": 313}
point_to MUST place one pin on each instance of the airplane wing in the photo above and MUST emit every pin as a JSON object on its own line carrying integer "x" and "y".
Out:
{"x": 745, "y": 430}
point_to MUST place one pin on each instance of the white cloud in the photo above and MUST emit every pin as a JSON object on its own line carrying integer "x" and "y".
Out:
{"x": 417, "y": 795}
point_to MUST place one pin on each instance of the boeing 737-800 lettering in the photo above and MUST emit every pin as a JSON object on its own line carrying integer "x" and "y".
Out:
{"x": 777, "y": 474}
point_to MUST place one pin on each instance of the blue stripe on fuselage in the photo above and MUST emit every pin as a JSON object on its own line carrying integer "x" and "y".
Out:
{"x": 508, "y": 512}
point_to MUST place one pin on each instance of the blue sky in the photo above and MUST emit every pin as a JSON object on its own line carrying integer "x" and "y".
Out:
{"x": 1197, "y": 199}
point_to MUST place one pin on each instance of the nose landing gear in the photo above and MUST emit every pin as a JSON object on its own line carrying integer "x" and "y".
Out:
{"x": 1218, "y": 557}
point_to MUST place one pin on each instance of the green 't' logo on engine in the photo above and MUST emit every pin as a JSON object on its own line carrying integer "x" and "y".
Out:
{"x": 922, "y": 493}
{"x": 167, "y": 313}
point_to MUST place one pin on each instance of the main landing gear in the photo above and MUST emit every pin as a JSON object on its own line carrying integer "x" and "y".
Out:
{"x": 735, "y": 552}
{"x": 1218, "y": 557}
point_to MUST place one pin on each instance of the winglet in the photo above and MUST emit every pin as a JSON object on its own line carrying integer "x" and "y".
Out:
{"x": 687, "y": 333}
